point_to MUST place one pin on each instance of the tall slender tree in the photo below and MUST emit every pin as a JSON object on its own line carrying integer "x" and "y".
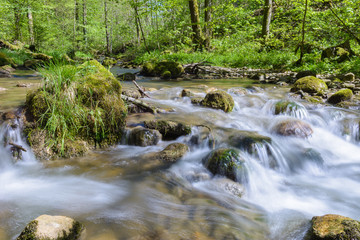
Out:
{"x": 30, "y": 24}
{"x": 85, "y": 23}
{"x": 268, "y": 6}
{"x": 107, "y": 29}
{"x": 198, "y": 39}
{"x": 208, "y": 28}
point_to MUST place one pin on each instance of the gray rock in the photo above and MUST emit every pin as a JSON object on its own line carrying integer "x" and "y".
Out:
{"x": 143, "y": 137}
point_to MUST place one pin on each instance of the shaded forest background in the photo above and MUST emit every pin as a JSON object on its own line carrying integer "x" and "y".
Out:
{"x": 249, "y": 33}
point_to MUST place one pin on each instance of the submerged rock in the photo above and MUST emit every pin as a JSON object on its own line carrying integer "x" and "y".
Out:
{"x": 340, "y": 96}
{"x": 226, "y": 162}
{"x": 170, "y": 130}
{"x": 144, "y": 137}
{"x": 173, "y": 152}
{"x": 333, "y": 227}
{"x": 219, "y": 100}
{"x": 53, "y": 228}
{"x": 310, "y": 84}
{"x": 293, "y": 127}
{"x": 282, "y": 107}
{"x": 246, "y": 140}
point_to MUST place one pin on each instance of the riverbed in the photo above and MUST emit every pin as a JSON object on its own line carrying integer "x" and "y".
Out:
{"x": 116, "y": 196}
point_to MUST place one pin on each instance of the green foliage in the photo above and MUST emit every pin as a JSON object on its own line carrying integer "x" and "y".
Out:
{"x": 17, "y": 57}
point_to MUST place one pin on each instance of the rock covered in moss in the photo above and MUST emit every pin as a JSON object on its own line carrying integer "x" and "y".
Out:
{"x": 165, "y": 69}
{"x": 7, "y": 45}
{"x": 144, "y": 137}
{"x": 283, "y": 107}
{"x": 333, "y": 227}
{"x": 5, "y": 60}
{"x": 186, "y": 93}
{"x": 226, "y": 162}
{"x": 293, "y": 127}
{"x": 86, "y": 109}
{"x": 42, "y": 56}
{"x": 310, "y": 84}
{"x": 340, "y": 96}
{"x": 170, "y": 130}
{"x": 173, "y": 152}
{"x": 53, "y": 228}
{"x": 196, "y": 100}
{"x": 219, "y": 100}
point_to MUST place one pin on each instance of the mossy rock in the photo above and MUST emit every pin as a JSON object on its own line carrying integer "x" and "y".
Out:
{"x": 144, "y": 137}
{"x": 340, "y": 96}
{"x": 170, "y": 130}
{"x": 314, "y": 99}
{"x": 219, "y": 100}
{"x": 293, "y": 127}
{"x": 310, "y": 84}
{"x": 37, "y": 103}
{"x": 108, "y": 62}
{"x": 165, "y": 69}
{"x": 42, "y": 56}
{"x": 5, "y": 60}
{"x": 7, "y": 68}
{"x": 186, "y": 93}
{"x": 7, "y": 45}
{"x": 247, "y": 140}
{"x": 333, "y": 227}
{"x": 226, "y": 162}
{"x": 47, "y": 227}
{"x": 286, "y": 107}
{"x": 197, "y": 100}
{"x": 173, "y": 152}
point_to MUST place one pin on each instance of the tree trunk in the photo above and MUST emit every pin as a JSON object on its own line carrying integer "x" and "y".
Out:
{"x": 140, "y": 26}
{"x": 85, "y": 23}
{"x": 137, "y": 31}
{"x": 107, "y": 30}
{"x": 267, "y": 19}
{"x": 31, "y": 25}
{"x": 75, "y": 27}
{"x": 195, "y": 23}
{"x": 303, "y": 35}
{"x": 208, "y": 30}
{"x": 17, "y": 17}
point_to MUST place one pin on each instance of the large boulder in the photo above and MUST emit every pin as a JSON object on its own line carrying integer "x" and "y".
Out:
{"x": 165, "y": 69}
{"x": 226, "y": 162}
{"x": 144, "y": 137}
{"x": 293, "y": 127}
{"x": 340, "y": 96}
{"x": 47, "y": 227}
{"x": 310, "y": 84}
{"x": 170, "y": 130}
{"x": 173, "y": 152}
{"x": 333, "y": 227}
{"x": 219, "y": 100}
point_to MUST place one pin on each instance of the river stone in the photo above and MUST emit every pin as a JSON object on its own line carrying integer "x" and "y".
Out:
{"x": 144, "y": 137}
{"x": 310, "y": 84}
{"x": 131, "y": 93}
{"x": 170, "y": 130}
{"x": 282, "y": 107}
{"x": 293, "y": 127}
{"x": 340, "y": 96}
{"x": 5, "y": 74}
{"x": 219, "y": 100}
{"x": 47, "y": 227}
{"x": 173, "y": 152}
{"x": 197, "y": 100}
{"x": 305, "y": 73}
{"x": 333, "y": 227}
{"x": 225, "y": 162}
{"x": 246, "y": 140}
{"x": 348, "y": 77}
{"x": 186, "y": 93}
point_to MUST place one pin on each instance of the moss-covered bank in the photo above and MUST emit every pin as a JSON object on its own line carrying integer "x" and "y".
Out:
{"x": 78, "y": 107}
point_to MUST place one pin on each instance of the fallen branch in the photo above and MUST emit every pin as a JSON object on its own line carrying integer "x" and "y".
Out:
{"x": 142, "y": 92}
{"x": 17, "y": 146}
{"x": 146, "y": 107}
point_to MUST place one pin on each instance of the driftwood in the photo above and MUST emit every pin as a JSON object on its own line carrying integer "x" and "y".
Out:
{"x": 141, "y": 90}
{"x": 17, "y": 146}
{"x": 146, "y": 107}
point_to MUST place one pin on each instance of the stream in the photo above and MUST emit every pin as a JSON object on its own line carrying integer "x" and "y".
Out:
{"x": 116, "y": 197}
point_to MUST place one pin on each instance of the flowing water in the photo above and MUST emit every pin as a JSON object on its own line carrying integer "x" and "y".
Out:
{"x": 117, "y": 195}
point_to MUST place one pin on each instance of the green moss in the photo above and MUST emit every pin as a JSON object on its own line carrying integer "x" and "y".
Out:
{"x": 37, "y": 103}
{"x": 148, "y": 69}
{"x": 310, "y": 84}
{"x": 29, "y": 232}
{"x": 226, "y": 162}
{"x": 5, "y": 60}
{"x": 165, "y": 69}
{"x": 219, "y": 100}
{"x": 166, "y": 75}
{"x": 75, "y": 232}
{"x": 340, "y": 96}
{"x": 108, "y": 62}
